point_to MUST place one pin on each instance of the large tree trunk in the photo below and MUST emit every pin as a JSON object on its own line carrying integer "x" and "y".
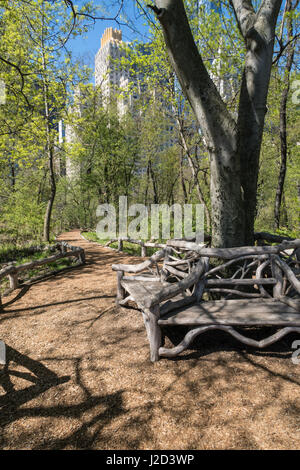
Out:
{"x": 50, "y": 152}
{"x": 215, "y": 121}
{"x": 48, "y": 213}
{"x": 259, "y": 32}
{"x": 233, "y": 148}
{"x": 47, "y": 218}
{"x": 282, "y": 118}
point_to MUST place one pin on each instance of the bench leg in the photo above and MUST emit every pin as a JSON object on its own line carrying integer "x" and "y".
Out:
{"x": 120, "y": 289}
{"x": 153, "y": 332}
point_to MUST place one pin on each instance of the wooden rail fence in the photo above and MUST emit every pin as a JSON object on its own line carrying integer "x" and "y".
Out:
{"x": 261, "y": 239}
{"x": 145, "y": 245}
{"x": 141, "y": 243}
{"x": 65, "y": 251}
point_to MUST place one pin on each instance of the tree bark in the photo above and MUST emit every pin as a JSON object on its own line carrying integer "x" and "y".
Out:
{"x": 50, "y": 149}
{"x": 185, "y": 197}
{"x": 258, "y": 30}
{"x": 12, "y": 174}
{"x": 152, "y": 176}
{"x": 216, "y": 123}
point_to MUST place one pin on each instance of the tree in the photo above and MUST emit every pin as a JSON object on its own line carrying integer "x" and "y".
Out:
{"x": 33, "y": 51}
{"x": 102, "y": 155}
{"x": 270, "y": 161}
{"x": 156, "y": 84}
{"x": 233, "y": 145}
{"x": 290, "y": 52}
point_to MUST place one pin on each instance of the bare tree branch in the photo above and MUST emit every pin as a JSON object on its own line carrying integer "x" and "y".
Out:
{"x": 70, "y": 4}
{"x": 22, "y": 75}
{"x": 283, "y": 48}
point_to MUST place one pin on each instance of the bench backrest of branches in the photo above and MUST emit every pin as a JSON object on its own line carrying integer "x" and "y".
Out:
{"x": 243, "y": 272}
{"x": 263, "y": 272}
{"x": 64, "y": 251}
{"x": 167, "y": 263}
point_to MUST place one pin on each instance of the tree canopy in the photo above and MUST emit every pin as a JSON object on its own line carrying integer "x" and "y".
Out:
{"x": 215, "y": 120}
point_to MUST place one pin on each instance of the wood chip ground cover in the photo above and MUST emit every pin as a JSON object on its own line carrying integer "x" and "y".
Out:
{"x": 79, "y": 376}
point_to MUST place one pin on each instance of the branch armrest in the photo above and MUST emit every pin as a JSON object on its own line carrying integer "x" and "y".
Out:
{"x": 136, "y": 268}
{"x": 172, "y": 290}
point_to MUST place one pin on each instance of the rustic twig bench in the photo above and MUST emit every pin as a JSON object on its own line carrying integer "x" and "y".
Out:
{"x": 210, "y": 288}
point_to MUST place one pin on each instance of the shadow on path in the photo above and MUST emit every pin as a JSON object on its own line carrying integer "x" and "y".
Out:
{"x": 39, "y": 375}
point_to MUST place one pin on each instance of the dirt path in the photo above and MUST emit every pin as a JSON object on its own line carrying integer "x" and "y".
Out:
{"x": 79, "y": 376}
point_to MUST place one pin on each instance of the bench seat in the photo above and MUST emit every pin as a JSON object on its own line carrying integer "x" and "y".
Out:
{"x": 140, "y": 291}
{"x": 135, "y": 287}
{"x": 234, "y": 312}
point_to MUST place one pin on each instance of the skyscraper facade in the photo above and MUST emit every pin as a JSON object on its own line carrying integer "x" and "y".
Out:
{"x": 109, "y": 76}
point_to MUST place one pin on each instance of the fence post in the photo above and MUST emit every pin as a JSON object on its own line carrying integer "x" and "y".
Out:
{"x": 13, "y": 280}
{"x": 120, "y": 244}
{"x": 143, "y": 250}
{"x": 120, "y": 290}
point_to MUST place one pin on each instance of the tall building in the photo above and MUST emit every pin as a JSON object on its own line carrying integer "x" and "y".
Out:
{"x": 108, "y": 73}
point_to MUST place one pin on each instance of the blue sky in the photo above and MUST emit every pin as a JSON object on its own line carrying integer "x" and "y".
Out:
{"x": 86, "y": 46}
